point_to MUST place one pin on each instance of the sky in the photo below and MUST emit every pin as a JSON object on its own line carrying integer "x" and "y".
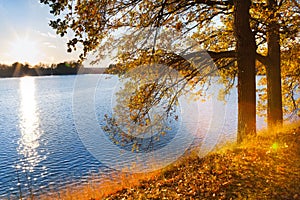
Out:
{"x": 25, "y": 34}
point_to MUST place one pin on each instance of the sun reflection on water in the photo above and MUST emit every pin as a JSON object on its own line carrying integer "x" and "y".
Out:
{"x": 29, "y": 126}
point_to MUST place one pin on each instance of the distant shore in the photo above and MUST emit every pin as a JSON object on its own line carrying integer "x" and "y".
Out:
{"x": 65, "y": 68}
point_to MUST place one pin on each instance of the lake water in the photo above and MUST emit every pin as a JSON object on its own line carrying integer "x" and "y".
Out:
{"x": 40, "y": 147}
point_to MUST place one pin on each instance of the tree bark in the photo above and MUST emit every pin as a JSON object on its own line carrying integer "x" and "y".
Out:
{"x": 246, "y": 52}
{"x": 274, "y": 110}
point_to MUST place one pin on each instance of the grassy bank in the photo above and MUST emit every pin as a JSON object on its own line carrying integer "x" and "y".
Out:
{"x": 266, "y": 167}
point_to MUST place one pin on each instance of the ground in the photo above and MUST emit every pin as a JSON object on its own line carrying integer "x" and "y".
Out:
{"x": 264, "y": 167}
{"x": 267, "y": 167}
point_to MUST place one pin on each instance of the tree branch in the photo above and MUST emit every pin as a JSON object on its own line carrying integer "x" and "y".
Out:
{"x": 265, "y": 60}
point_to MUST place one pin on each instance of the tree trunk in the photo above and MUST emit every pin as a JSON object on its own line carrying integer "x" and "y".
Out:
{"x": 274, "y": 110}
{"x": 246, "y": 49}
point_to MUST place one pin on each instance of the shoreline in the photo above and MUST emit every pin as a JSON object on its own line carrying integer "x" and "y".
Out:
{"x": 265, "y": 171}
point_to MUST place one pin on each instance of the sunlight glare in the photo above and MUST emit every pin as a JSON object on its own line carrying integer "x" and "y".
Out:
{"x": 275, "y": 146}
{"x": 29, "y": 124}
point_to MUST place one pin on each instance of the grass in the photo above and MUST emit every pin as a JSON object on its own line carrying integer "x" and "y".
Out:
{"x": 264, "y": 167}
{"x": 100, "y": 187}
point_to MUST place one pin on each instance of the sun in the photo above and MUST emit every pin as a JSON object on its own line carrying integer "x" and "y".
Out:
{"x": 24, "y": 50}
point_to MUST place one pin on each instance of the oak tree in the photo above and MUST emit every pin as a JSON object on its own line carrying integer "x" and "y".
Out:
{"x": 95, "y": 24}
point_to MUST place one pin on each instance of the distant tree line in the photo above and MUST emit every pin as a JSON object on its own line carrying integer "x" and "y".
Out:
{"x": 65, "y": 68}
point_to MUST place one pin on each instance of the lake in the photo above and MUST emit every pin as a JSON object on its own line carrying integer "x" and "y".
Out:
{"x": 44, "y": 148}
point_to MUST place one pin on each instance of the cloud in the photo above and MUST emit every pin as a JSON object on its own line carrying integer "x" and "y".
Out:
{"x": 52, "y": 46}
{"x": 51, "y": 35}
{"x": 49, "y": 44}
{"x": 48, "y": 34}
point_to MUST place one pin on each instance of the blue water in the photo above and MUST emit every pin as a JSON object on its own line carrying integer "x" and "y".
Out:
{"x": 40, "y": 148}
{"x": 38, "y": 140}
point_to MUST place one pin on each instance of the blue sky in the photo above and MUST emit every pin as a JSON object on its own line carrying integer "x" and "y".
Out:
{"x": 25, "y": 35}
